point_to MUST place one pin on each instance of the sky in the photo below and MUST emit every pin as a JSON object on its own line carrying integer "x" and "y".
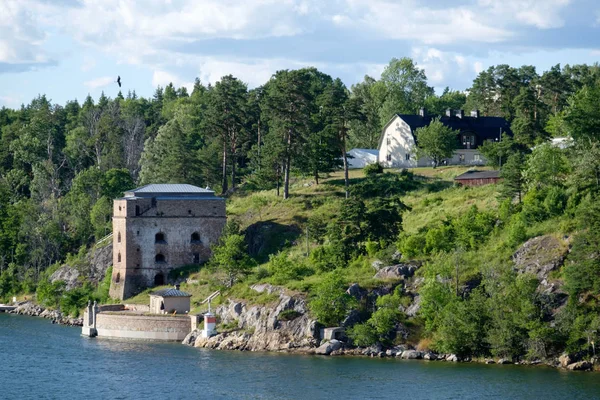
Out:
{"x": 68, "y": 49}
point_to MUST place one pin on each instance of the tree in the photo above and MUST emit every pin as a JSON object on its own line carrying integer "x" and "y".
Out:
{"x": 547, "y": 165}
{"x": 288, "y": 108}
{"x": 512, "y": 177}
{"x": 449, "y": 99}
{"x": 365, "y": 129}
{"x": 436, "y": 141}
{"x": 330, "y": 302}
{"x": 583, "y": 115}
{"x": 402, "y": 88}
{"x": 527, "y": 125}
{"x": 231, "y": 257}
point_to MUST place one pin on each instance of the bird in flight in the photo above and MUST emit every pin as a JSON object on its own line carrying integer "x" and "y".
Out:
{"x": 119, "y": 80}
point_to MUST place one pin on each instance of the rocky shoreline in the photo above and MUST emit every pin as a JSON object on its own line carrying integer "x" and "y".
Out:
{"x": 286, "y": 327}
{"x": 31, "y": 309}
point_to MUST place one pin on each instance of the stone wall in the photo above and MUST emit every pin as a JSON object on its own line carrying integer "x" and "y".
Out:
{"x": 136, "y": 223}
{"x": 132, "y": 326}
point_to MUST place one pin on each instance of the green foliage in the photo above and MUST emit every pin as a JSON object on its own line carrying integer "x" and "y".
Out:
{"x": 329, "y": 302}
{"x": 547, "y": 165}
{"x": 231, "y": 257}
{"x": 49, "y": 294}
{"x": 373, "y": 169}
{"x": 436, "y": 141}
{"x": 283, "y": 269}
{"x": 288, "y": 315}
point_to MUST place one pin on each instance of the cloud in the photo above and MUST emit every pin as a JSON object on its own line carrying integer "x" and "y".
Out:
{"x": 21, "y": 38}
{"x": 407, "y": 19}
{"x": 543, "y": 14}
{"x": 163, "y": 78}
{"x": 444, "y": 68}
{"x": 99, "y": 82}
{"x": 11, "y": 101}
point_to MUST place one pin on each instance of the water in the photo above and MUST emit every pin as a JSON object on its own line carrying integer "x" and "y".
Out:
{"x": 39, "y": 360}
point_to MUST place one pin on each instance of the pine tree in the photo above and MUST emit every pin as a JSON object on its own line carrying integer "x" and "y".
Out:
{"x": 512, "y": 177}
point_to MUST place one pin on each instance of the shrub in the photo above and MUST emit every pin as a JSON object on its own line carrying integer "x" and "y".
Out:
{"x": 283, "y": 269}
{"x": 373, "y": 169}
{"x": 517, "y": 231}
{"x": 288, "y": 315}
{"x": 362, "y": 335}
{"x": 330, "y": 302}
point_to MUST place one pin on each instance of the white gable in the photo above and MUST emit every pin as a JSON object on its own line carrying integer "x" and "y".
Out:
{"x": 397, "y": 145}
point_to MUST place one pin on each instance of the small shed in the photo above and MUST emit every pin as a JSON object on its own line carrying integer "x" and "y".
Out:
{"x": 360, "y": 158}
{"x": 170, "y": 301}
{"x": 478, "y": 178}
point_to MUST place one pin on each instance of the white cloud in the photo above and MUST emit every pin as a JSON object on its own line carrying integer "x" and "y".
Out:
{"x": 407, "y": 19}
{"x": 99, "y": 82}
{"x": 163, "y": 78}
{"x": 478, "y": 67}
{"x": 542, "y": 14}
{"x": 20, "y": 34}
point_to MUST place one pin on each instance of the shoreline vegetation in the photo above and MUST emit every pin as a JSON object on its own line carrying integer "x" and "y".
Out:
{"x": 394, "y": 257}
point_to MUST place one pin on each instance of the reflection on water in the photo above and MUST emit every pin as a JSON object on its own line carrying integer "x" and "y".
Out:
{"x": 41, "y": 360}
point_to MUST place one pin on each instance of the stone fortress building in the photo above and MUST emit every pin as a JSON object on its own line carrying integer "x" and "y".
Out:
{"x": 160, "y": 227}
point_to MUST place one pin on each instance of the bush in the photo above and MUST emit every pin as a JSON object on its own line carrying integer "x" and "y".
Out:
{"x": 373, "y": 169}
{"x": 362, "y": 335}
{"x": 283, "y": 269}
{"x": 288, "y": 315}
{"x": 330, "y": 302}
{"x": 517, "y": 231}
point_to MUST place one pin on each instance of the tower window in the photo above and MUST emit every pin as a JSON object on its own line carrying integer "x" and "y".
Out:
{"x": 119, "y": 257}
{"x": 137, "y": 210}
{"x": 119, "y": 237}
{"x": 118, "y": 278}
{"x": 160, "y": 258}
{"x": 159, "y": 238}
{"x": 195, "y": 237}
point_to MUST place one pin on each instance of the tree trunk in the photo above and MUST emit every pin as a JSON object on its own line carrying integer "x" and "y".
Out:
{"x": 345, "y": 161}
{"x": 288, "y": 159}
{"x": 224, "y": 183}
{"x": 316, "y": 176}
{"x": 233, "y": 171}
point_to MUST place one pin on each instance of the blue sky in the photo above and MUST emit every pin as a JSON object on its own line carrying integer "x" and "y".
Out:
{"x": 69, "y": 48}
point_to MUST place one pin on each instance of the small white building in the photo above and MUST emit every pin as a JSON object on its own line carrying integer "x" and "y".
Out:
{"x": 360, "y": 158}
{"x": 398, "y": 146}
{"x": 168, "y": 301}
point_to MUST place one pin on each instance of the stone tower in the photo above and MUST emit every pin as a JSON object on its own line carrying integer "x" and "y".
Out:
{"x": 160, "y": 227}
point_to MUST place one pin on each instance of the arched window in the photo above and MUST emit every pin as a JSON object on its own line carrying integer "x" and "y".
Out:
{"x": 160, "y": 258}
{"x": 195, "y": 237}
{"x": 118, "y": 278}
{"x": 159, "y": 238}
{"x": 159, "y": 279}
{"x": 119, "y": 257}
{"x": 119, "y": 237}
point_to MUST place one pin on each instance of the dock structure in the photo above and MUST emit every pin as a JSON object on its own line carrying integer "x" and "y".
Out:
{"x": 6, "y": 308}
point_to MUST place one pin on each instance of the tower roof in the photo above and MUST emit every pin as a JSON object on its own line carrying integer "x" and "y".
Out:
{"x": 170, "y": 190}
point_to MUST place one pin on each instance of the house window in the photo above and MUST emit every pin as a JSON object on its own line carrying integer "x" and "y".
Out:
{"x": 476, "y": 157}
{"x": 160, "y": 258}
{"x": 468, "y": 141}
{"x": 407, "y": 157}
{"x": 389, "y": 157}
{"x": 159, "y": 238}
{"x": 461, "y": 158}
{"x": 195, "y": 237}
{"x": 389, "y": 141}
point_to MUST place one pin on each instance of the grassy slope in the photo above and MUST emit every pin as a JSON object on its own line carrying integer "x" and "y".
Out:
{"x": 436, "y": 199}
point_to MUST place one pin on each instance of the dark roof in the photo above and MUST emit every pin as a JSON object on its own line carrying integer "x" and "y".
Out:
{"x": 170, "y": 293}
{"x": 170, "y": 190}
{"x": 478, "y": 175}
{"x": 484, "y": 128}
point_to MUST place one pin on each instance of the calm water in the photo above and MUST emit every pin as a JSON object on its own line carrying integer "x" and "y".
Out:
{"x": 39, "y": 360}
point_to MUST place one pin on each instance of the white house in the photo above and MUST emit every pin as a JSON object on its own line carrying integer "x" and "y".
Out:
{"x": 360, "y": 158}
{"x": 397, "y": 145}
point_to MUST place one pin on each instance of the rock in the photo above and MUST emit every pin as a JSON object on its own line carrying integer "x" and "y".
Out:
{"x": 390, "y": 353}
{"x": 540, "y": 255}
{"x": 328, "y": 347}
{"x": 414, "y": 307}
{"x": 266, "y": 287}
{"x": 377, "y": 265}
{"x": 354, "y": 317}
{"x": 411, "y": 355}
{"x": 565, "y": 360}
{"x": 356, "y": 291}
{"x": 452, "y": 357}
{"x": 490, "y": 361}
{"x": 28, "y": 308}
{"x": 397, "y": 271}
{"x": 580, "y": 366}
{"x": 397, "y": 256}
{"x": 504, "y": 361}
{"x": 191, "y": 337}
{"x": 67, "y": 274}
{"x": 430, "y": 356}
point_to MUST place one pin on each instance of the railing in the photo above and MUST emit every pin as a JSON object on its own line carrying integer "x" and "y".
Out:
{"x": 104, "y": 239}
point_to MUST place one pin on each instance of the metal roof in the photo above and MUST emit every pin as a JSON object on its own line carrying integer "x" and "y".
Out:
{"x": 478, "y": 175}
{"x": 172, "y": 292}
{"x": 172, "y": 189}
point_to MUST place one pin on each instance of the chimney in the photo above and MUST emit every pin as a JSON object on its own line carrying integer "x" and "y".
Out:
{"x": 422, "y": 111}
{"x": 448, "y": 112}
{"x": 460, "y": 113}
{"x": 475, "y": 113}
